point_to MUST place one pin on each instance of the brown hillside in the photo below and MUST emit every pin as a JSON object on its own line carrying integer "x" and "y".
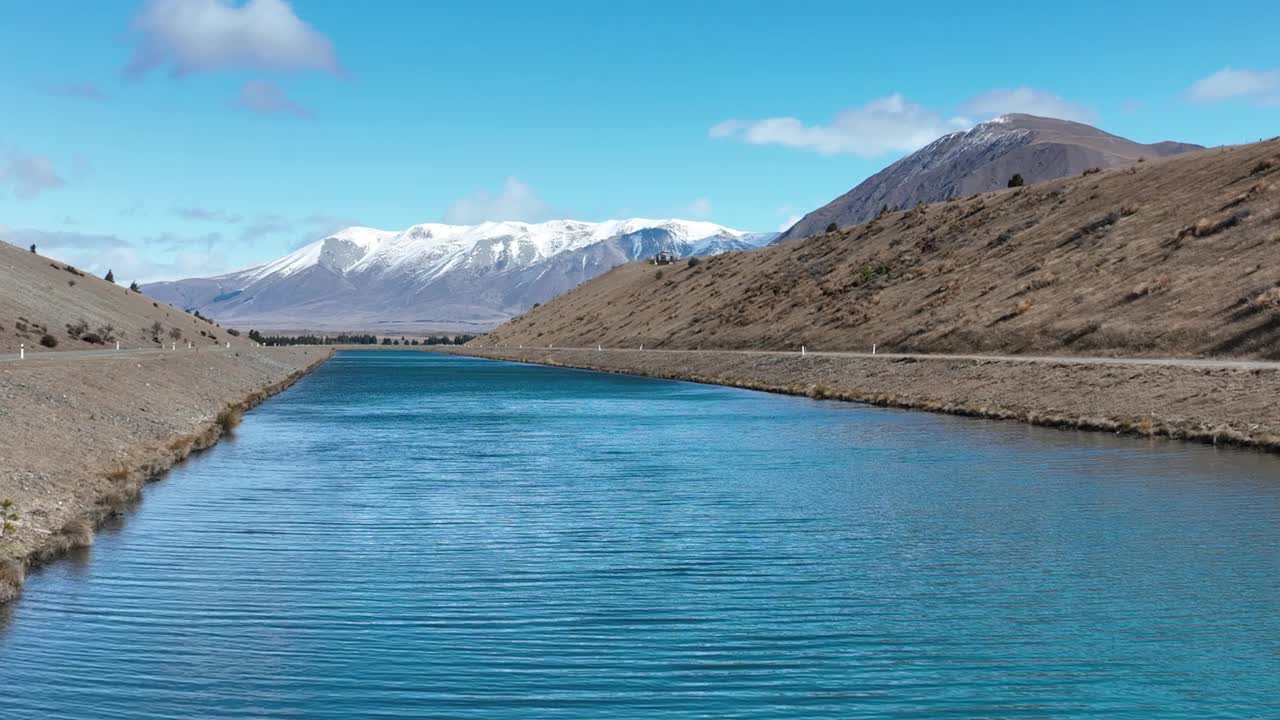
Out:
{"x": 1168, "y": 257}
{"x": 40, "y": 295}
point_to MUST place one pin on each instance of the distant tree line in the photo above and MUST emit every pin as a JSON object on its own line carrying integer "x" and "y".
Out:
{"x": 431, "y": 340}
{"x": 355, "y": 339}
{"x": 339, "y": 339}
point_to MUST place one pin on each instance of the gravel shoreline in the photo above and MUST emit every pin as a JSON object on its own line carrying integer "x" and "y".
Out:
{"x": 1214, "y": 405}
{"x": 81, "y": 436}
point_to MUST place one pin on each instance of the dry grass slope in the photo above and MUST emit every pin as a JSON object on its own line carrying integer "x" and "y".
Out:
{"x": 41, "y": 296}
{"x": 1174, "y": 257}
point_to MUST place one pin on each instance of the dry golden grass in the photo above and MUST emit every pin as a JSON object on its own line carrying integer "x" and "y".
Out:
{"x": 1162, "y": 258}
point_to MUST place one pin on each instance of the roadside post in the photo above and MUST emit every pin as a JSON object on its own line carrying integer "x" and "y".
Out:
{"x": 873, "y": 349}
{"x": 22, "y": 351}
{"x": 801, "y": 351}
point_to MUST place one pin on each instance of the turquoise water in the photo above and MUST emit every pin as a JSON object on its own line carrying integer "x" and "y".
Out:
{"x": 406, "y": 535}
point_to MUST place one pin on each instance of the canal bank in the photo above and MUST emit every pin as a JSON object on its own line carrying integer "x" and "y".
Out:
{"x": 1219, "y": 405}
{"x": 82, "y": 435}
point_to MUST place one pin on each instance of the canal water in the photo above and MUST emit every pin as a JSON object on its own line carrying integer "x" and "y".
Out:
{"x": 404, "y": 535}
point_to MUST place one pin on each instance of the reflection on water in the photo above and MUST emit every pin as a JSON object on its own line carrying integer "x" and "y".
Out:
{"x": 404, "y": 535}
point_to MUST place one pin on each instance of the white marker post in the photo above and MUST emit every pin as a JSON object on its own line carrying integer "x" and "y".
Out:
{"x": 174, "y": 346}
{"x": 117, "y": 344}
{"x": 801, "y": 351}
{"x": 641, "y": 346}
{"x": 873, "y": 349}
{"x": 22, "y": 351}
{"x": 598, "y": 348}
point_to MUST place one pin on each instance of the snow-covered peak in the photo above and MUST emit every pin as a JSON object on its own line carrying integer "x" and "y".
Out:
{"x": 432, "y": 249}
{"x": 337, "y": 252}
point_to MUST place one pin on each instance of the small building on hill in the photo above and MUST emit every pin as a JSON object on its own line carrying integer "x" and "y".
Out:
{"x": 664, "y": 258}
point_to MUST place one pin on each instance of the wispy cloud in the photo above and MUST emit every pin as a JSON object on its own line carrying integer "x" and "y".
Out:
{"x": 1027, "y": 100}
{"x": 202, "y": 214}
{"x": 265, "y": 97}
{"x": 1262, "y": 86}
{"x": 79, "y": 91}
{"x": 699, "y": 209}
{"x": 97, "y": 253}
{"x": 889, "y": 124}
{"x": 516, "y": 201}
{"x": 29, "y": 175}
{"x": 264, "y": 226}
{"x": 193, "y": 36}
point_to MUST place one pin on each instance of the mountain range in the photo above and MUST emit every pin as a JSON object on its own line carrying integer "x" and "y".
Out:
{"x": 436, "y": 276}
{"x": 474, "y": 277}
{"x": 981, "y": 159}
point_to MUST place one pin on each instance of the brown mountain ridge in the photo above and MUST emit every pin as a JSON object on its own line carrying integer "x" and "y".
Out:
{"x": 982, "y": 159}
{"x": 1173, "y": 257}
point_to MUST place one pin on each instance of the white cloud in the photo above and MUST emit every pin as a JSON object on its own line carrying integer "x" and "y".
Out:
{"x": 699, "y": 209}
{"x": 29, "y": 175}
{"x": 895, "y": 124}
{"x": 1230, "y": 83}
{"x": 516, "y": 201}
{"x": 265, "y": 97}
{"x": 1027, "y": 100}
{"x": 202, "y": 35}
{"x": 889, "y": 124}
{"x": 791, "y": 220}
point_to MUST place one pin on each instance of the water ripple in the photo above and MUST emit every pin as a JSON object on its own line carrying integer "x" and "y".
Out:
{"x": 408, "y": 536}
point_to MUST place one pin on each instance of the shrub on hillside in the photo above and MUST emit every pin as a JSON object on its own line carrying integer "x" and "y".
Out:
{"x": 49, "y": 341}
{"x": 1016, "y": 180}
{"x": 695, "y": 261}
{"x": 78, "y": 328}
{"x": 1091, "y": 171}
{"x": 832, "y": 227}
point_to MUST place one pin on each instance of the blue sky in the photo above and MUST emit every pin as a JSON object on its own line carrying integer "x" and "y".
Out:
{"x": 170, "y": 138}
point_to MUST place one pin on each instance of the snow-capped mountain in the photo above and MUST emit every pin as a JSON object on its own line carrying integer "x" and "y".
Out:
{"x": 980, "y": 159}
{"x": 435, "y": 275}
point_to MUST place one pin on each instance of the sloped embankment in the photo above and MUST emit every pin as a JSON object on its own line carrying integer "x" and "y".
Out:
{"x": 1174, "y": 257}
{"x": 1198, "y": 403}
{"x": 83, "y": 434}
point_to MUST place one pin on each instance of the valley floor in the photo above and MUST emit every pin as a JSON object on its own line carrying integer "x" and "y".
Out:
{"x": 1211, "y": 401}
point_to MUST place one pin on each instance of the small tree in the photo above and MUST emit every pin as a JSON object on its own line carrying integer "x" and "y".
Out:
{"x": 1016, "y": 180}
{"x": 8, "y": 516}
{"x": 175, "y": 333}
{"x": 33, "y": 247}
{"x": 110, "y": 277}
{"x": 134, "y": 286}
{"x": 832, "y": 228}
